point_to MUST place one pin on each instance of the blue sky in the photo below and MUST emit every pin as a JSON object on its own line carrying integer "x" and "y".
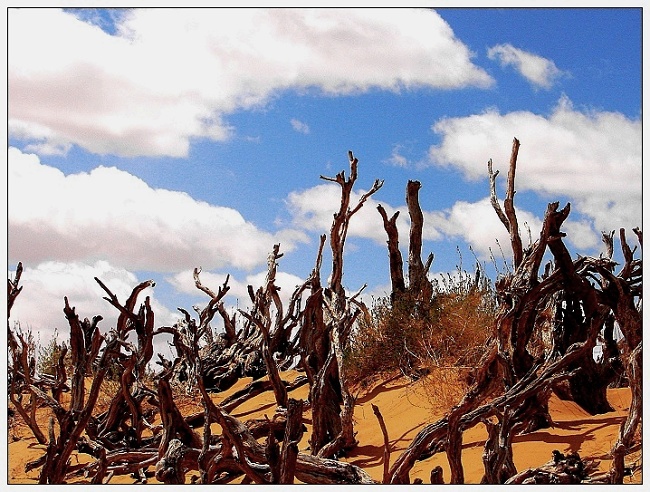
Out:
{"x": 145, "y": 143}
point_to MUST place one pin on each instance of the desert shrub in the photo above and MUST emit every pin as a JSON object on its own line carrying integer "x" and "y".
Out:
{"x": 49, "y": 354}
{"x": 414, "y": 337}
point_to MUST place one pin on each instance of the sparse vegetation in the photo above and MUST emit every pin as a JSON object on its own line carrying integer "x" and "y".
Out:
{"x": 49, "y": 354}
{"x": 452, "y": 331}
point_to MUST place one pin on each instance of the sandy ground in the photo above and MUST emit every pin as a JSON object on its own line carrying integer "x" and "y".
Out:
{"x": 406, "y": 408}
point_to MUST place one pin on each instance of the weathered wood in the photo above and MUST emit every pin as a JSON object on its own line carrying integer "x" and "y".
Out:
{"x": 395, "y": 261}
{"x": 20, "y": 377}
{"x": 293, "y": 434}
{"x": 561, "y": 469}
{"x": 102, "y": 468}
{"x": 272, "y": 455}
{"x": 14, "y": 288}
{"x": 260, "y": 315}
{"x": 339, "y": 228}
{"x": 384, "y": 432}
{"x": 324, "y": 471}
{"x": 436, "y": 476}
{"x": 331, "y": 317}
{"x": 509, "y": 207}
{"x": 629, "y": 426}
{"x": 174, "y": 425}
{"x": 492, "y": 175}
{"x": 419, "y": 286}
{"x": 169, "y": 469}
{"x": 432, "y": 437}
{"x": 60, "y": 449}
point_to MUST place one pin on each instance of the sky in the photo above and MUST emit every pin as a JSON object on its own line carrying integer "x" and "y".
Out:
{"x": 143, "y": 143}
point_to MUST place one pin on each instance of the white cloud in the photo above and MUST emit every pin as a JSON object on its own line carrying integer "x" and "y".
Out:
{"x": 477, "y": 223}
{"x": 582, "y": 235}
{"x": 299, "y": 126}
{"x": 539, "y": 71}
{"x": 140, "y": 93}
{"x": 313, "y": 209}
{"x": 112, "y": 215}
{"x": 39, "y": 306}
{"x": 593, "y": 158}
{"x": 396, "y": 158}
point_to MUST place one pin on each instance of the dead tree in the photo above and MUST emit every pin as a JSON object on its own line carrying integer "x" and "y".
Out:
{"x": 124, "y": 421}
{"x": 293, "y": 434}
{"x": 273, "y": 337}
{"x": 521, "y": 376}
{"x": 622, "y": 293}
{"x": 412, "y": 302}
{"x": 330, "y": 319}
{"x": 395, "y": 260}
{"x": 74, "y": 420}
{"x": 434, "y": 437}
{"x": 22, "y": 365}
{"x": 419, "y": 286}
{"x": 238, "y": 452}
{"x": 384, "y": 432}
{"x": 261, "y": 347}
{"x": 419, "y": 291}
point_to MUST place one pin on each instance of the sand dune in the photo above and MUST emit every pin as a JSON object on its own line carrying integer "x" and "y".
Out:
{"x": 406, "y": 407}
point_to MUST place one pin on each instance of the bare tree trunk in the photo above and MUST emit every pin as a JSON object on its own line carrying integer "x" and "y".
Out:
{"x": 332, "y": 425}
{"x": 629, "y": 426}
{"x": 419, "y": 286}
{"x": 396, "y": 263}
{"x": 169, "y": 469}
{"x": 261, "y": 316}
{"x": 292, "y": 436}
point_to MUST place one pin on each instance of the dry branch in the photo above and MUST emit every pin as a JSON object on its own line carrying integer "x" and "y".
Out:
{"x": 384, "y": 432}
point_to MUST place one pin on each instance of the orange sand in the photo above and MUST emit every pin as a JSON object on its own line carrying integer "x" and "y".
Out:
{"x": 406, "y": 408}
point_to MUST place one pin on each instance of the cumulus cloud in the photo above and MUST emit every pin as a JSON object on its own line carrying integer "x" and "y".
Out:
{"x": 112, "y": 215}
{"x": 313, "y": 209}
{"x": 39, "y": 306}
{"x": 592, "y": 158}
{"x": 478, "y": 225}
{"x": 299, "y": 126}
{"x": 137, "y": 92}
{"x": 539, "y": 71}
